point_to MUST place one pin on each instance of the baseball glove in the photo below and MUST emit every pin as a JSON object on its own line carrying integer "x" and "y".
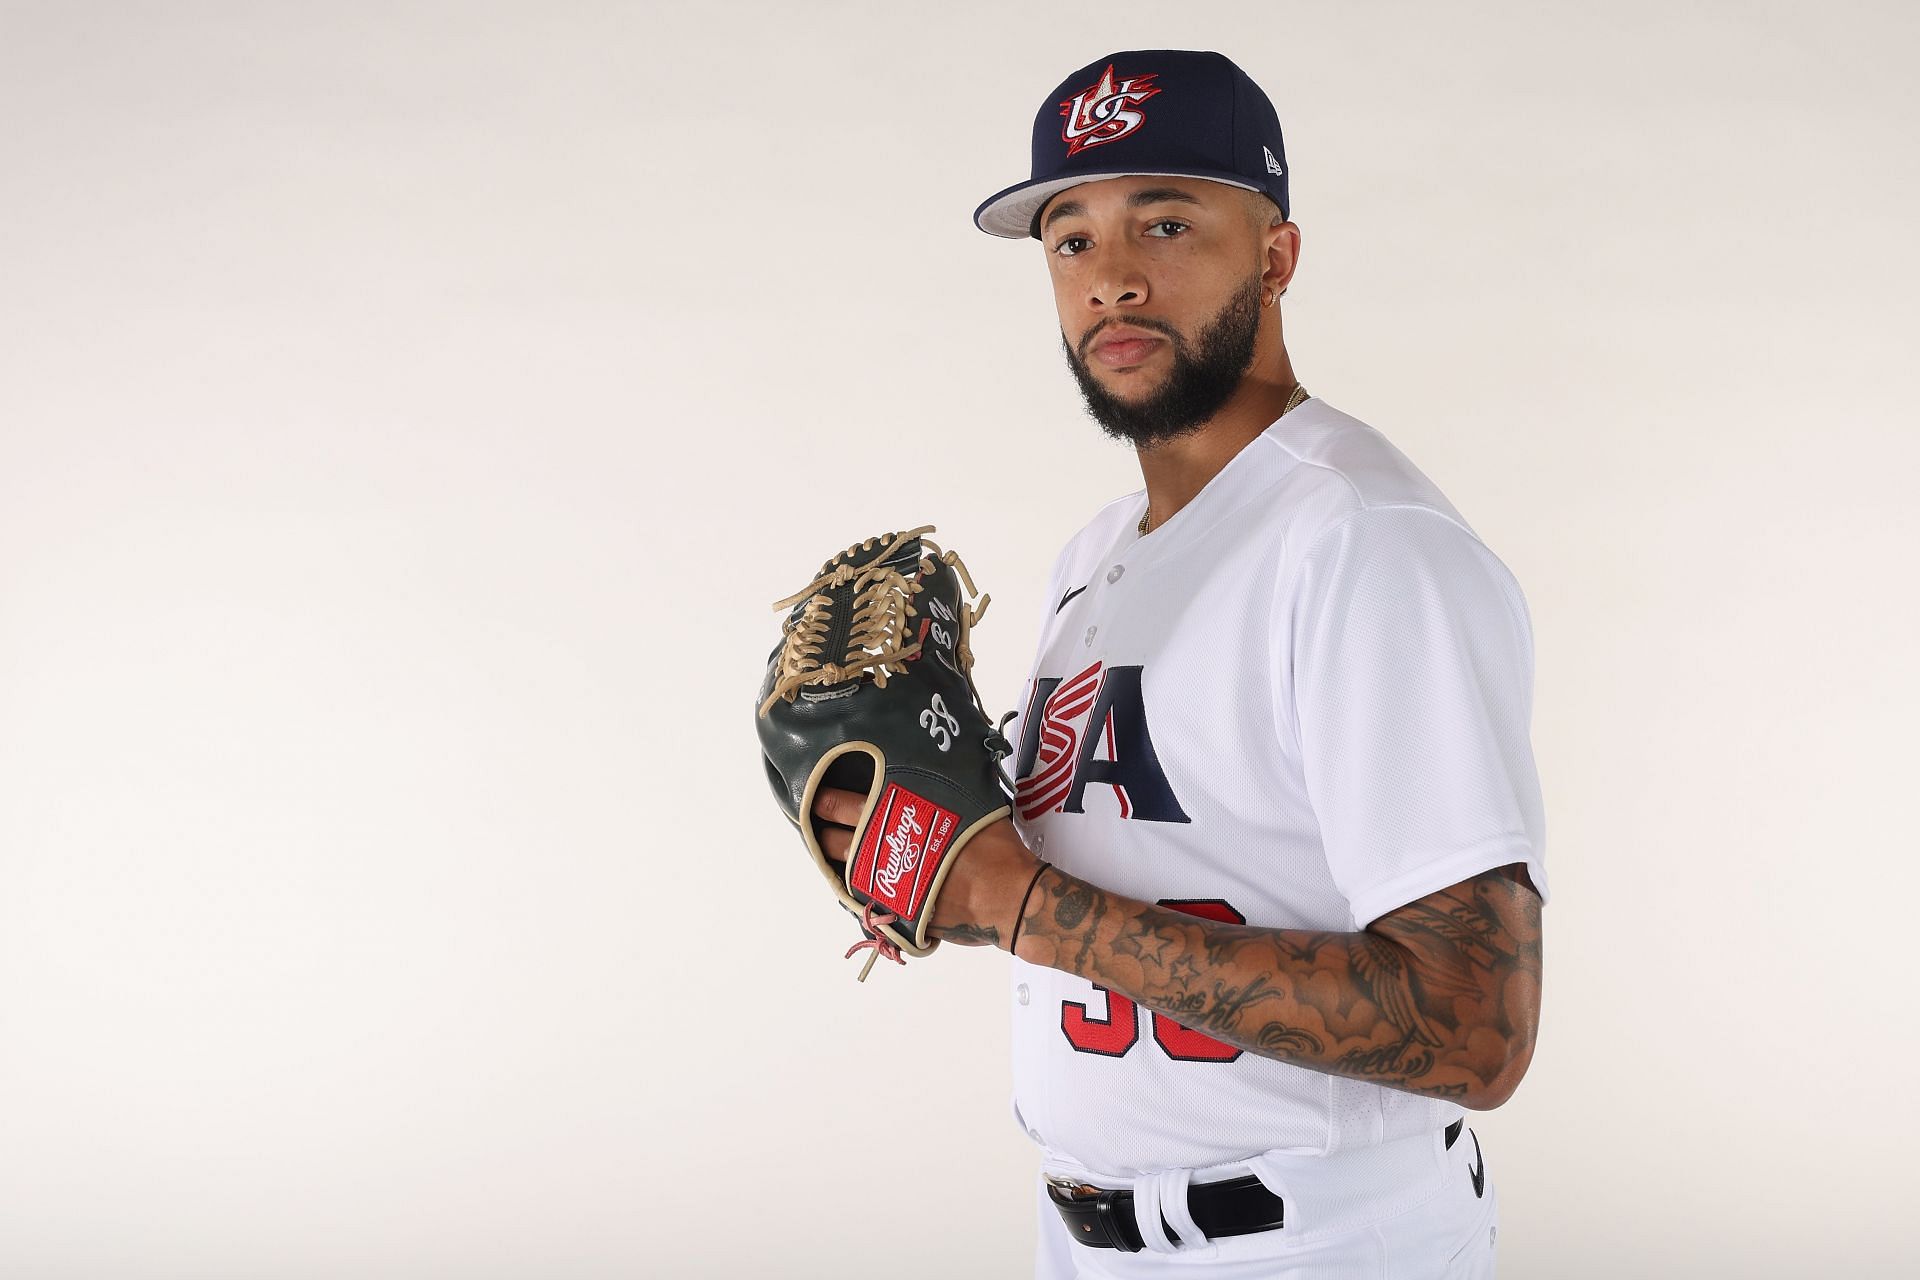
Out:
{"x": 871, "y": 690}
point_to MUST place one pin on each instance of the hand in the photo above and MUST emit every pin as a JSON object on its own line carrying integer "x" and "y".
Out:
{"x": 981, "y": 896}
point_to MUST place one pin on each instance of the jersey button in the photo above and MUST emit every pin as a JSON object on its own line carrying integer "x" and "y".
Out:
{"x": 1021, "y": 993}
{"x": 1091, "y": 632}
{"x": 1113, "y": 574}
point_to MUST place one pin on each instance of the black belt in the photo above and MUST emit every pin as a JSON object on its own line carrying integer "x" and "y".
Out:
{"x": 1237, "y": 1207}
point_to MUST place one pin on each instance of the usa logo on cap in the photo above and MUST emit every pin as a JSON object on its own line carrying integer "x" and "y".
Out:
{"x": 1105, "y": 111}
{"x": 1176, "y": 113}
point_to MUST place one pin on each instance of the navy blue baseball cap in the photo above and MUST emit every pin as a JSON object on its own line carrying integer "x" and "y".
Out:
{"x": 1176, "y": 113}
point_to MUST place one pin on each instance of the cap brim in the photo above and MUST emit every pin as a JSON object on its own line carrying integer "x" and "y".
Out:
{"x": 1010, "y": 213}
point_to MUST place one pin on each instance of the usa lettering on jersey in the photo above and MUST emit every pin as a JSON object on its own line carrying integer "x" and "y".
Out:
{"x": 1069, "y": 722}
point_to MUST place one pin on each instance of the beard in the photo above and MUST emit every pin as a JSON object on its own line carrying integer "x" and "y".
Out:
{"x": 1205, "y": 375}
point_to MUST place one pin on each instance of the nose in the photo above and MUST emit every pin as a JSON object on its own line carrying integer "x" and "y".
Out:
{"x": 1118, "y": 283}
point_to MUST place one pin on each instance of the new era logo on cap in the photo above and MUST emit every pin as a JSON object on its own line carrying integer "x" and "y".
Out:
{"x": 1146, "y": 113}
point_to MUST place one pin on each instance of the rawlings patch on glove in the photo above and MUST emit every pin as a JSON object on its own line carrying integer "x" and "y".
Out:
{"x": 871, "y": 690}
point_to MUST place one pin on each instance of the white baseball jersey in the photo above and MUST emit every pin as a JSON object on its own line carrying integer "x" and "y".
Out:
{"x": 1301, "y": 702}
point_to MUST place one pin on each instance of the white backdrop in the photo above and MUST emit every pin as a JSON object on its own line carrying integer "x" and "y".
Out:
{"x": 407, "y": 412}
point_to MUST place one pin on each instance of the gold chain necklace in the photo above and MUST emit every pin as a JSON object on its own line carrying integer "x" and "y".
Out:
{"x": 1293, "y": 402}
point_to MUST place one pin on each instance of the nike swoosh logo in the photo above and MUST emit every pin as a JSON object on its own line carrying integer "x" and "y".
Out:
{"x": 1478, "y": 1175}
{"x": 1070, "y": 595}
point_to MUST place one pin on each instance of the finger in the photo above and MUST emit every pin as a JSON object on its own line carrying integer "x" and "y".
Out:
{"x": 839, "y": 806}
{"x": 836, "y": 841}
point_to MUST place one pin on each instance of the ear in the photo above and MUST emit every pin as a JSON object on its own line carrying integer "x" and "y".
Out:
{"x": 1280, "y": 254}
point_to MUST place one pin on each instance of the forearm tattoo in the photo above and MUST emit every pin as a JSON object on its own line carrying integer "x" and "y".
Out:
{"x": 970, "y": 935}
{"x": 1440, "y": 997}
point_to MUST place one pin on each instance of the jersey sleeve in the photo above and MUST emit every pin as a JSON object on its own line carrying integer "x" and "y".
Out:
{"x": 1407, "y": 670}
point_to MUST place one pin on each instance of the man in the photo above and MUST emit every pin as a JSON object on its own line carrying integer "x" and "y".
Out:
{"x": 1274, "y": 876}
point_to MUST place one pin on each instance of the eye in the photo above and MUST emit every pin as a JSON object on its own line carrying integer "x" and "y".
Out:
{"x": 1070, "y": 246}
{"x": 1157, "y": 228}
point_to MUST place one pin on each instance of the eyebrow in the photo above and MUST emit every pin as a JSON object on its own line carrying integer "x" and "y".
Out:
{"x": 1145, "y": 196}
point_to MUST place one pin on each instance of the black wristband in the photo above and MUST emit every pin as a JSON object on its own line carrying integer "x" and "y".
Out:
{"x": 1021, "y": 915}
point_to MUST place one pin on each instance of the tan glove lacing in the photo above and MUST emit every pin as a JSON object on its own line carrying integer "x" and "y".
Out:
{"x": 877, "y": 628}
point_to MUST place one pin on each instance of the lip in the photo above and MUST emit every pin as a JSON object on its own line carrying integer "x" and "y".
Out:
{"x": 1123, "y": 346}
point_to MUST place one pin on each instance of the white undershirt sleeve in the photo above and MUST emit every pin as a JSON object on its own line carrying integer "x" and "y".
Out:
{"x": 1406, "y": 663}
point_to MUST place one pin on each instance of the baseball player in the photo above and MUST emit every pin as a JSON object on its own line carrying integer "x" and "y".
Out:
{"x": 1274, "y": 874}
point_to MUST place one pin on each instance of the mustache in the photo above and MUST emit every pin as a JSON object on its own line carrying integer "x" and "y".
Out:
{"x": 1158, "y": 326}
